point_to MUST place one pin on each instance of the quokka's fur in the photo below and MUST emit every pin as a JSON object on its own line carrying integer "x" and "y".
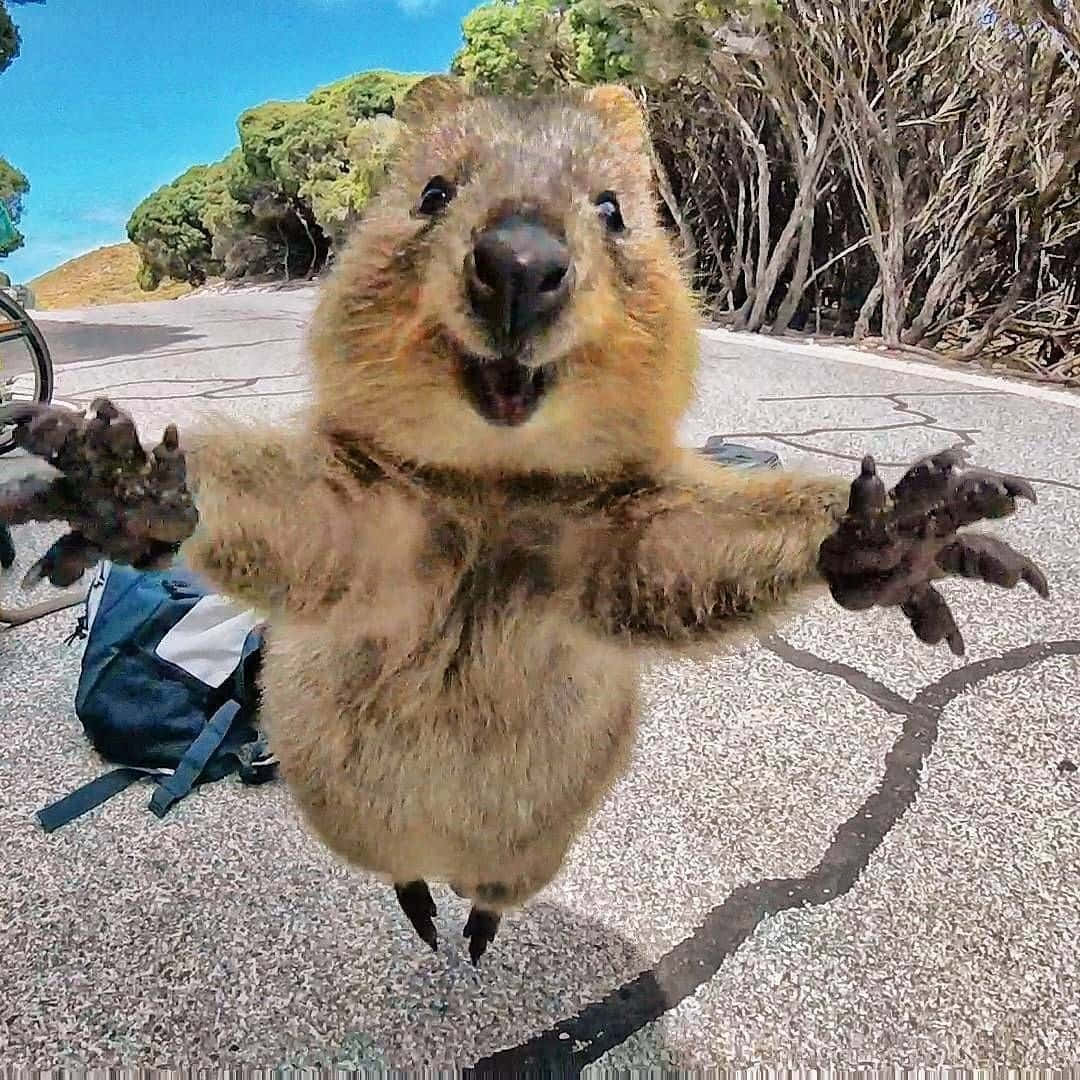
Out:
{"x": 459, "y": 610}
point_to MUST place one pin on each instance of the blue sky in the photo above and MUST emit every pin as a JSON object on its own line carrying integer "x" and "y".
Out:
{"x": 112, "y": 98}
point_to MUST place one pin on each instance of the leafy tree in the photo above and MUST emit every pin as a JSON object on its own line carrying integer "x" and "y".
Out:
{"x": 9, "y": 39}
{"x": 9, "y": 34}
{"x": 169, "y": 230}
{"x": 523, "y": 45}
{"x": 337, "y": 200}
{"x": 289, "y": 142}
{"x": 602, "y": 42}
{"x": 287, "y": 149}
{"x": 510, "y": 46}
{"x": 364, "y": 95}
{"x": 13, "y": 186}
{"x": 285, "y": 196}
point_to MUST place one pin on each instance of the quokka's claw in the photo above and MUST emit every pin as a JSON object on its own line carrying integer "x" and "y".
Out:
{"x": 976, "y": 555}
{"x": 480, "y": 929}
{"x": 419, "y": 907}
{"x": 64, "y": 563}
{"x": 932, "y": 620}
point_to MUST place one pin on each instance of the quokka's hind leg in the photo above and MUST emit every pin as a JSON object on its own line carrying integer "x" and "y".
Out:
{"x": 524, "y": 877}
{"x": 480, "y": 929}
{"x": 485, "y": 915}
{"x": 419, "y": 907}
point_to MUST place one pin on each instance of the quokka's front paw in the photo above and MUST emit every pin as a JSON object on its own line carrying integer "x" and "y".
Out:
{"x": 891, "y": 546}
{"x": 121, "y": 503}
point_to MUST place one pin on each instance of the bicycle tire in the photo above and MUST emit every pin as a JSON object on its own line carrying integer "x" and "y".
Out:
{"x": 39, "y": 352}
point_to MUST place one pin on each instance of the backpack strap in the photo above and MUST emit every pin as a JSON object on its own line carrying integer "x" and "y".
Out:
{"x": 173, "y": 788}
{"x": 89, "y": 796}
{"x": 256, "y": 764}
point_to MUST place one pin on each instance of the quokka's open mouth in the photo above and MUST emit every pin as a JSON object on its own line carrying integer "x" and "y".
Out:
{"x": 504, "y": 390}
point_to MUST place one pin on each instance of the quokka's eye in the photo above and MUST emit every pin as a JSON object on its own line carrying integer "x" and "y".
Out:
{"x": 607, "y": 205}
{"x": 435, "y": 197}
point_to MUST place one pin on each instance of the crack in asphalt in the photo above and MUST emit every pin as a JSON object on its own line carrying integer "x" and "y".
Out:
{"x": 215, "y": 393}
{"x": 859, "y": 681}
{"x": 573, "y": 1043}
{"x": 922, "y": 419}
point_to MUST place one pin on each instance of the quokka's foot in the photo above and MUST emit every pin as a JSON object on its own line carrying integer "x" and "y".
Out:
{"x": 480, "y": 930}
{"x": 415, "y": 900}
{"x": 893, "y": 545}
{"x": 119, "y": 501}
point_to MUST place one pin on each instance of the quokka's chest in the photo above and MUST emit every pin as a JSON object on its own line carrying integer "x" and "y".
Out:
{"x": 441, "y": 568}
{"x": 455, "y": 603}
{"x": 496, "y": 562}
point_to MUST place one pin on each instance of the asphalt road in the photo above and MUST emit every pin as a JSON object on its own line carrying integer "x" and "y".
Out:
{"x": 835, "y": 847}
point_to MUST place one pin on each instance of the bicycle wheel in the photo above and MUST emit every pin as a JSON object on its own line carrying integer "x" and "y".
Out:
{"x": 26, "y": 369}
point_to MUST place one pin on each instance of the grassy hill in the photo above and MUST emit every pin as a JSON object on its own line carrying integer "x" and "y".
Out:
{"x": 103, "y": 276}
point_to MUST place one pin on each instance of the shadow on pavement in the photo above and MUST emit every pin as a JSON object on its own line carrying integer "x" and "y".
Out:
{"x": 73, "y": 341}
{"x": 564, "y": 951}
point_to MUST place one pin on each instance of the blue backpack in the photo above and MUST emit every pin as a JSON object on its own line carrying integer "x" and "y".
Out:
{"x": 168, "y": 688}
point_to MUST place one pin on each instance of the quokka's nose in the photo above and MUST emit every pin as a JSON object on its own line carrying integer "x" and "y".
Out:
{"x": 518, "y": 275}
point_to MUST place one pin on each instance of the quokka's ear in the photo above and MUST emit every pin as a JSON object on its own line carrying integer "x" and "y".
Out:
{"x": 622, "y": 113}
{"x": 431, "y": 97}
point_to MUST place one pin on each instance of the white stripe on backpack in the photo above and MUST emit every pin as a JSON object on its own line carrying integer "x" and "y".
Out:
{"x": 209, "y": 640}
